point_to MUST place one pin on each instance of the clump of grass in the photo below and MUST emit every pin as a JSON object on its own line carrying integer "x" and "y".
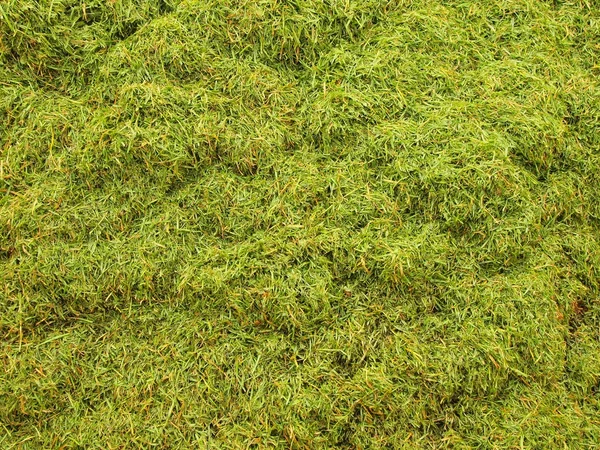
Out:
{"x": 305, "y": 224}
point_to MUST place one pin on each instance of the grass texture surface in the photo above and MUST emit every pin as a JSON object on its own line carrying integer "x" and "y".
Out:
{"x": 299, "y": 224}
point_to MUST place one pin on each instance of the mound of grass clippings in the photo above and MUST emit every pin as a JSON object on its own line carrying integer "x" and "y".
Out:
{"x": 300, "y": 224}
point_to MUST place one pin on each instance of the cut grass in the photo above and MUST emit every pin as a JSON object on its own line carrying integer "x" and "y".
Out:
{"x": 254, "y": 224}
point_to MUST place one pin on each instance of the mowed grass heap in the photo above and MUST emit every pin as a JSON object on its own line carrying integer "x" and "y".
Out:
{"x": 305, "y": 224}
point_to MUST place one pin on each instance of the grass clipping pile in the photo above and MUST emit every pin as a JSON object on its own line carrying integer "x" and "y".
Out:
{"x": 305, "y": 224}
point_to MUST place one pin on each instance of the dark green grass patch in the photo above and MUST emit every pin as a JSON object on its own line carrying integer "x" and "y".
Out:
{"x": 265, "y": 224}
